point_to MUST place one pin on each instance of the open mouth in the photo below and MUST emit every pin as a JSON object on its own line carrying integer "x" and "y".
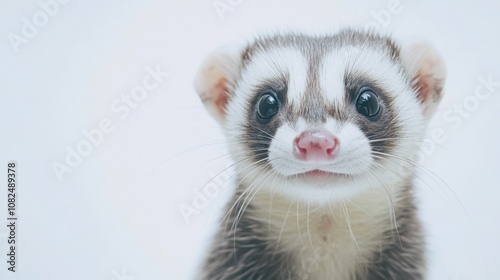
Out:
{"x": 319, "y": 174}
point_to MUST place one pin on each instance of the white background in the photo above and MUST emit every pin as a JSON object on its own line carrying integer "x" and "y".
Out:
{"x": 116, "y": 216}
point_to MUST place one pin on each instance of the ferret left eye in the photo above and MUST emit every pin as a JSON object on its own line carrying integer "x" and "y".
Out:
{"x": 367, "y": 104}
{"x": 267, "y": 107}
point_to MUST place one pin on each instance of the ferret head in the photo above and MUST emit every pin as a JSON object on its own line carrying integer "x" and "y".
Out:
{"x": 322, "y": 118}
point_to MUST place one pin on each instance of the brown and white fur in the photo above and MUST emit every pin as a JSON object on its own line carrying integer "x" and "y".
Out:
{"x": 349, "y": 214}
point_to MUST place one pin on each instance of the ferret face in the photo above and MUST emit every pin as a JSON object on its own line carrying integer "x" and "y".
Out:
{"x": 324, "y": 118}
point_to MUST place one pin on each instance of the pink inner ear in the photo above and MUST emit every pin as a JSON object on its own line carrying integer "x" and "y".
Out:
{"x": 423, "y": 87}
{"x": 221, "y": 93}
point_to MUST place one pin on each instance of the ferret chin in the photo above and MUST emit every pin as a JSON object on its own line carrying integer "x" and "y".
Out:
{"x": 321, "y": 130}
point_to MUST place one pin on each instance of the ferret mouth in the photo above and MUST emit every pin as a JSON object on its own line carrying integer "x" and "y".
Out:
{"x": 319, "y": 174}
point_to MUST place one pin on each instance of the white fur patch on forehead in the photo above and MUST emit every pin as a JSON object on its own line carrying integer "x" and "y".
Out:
{"x": 275, "y": 64}
{"x": 376, "y": 66}
{"x": 267, "y": 65}
{"x": 372, "y": 63}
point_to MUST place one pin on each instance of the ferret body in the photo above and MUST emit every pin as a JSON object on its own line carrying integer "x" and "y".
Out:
{"x": 322, "y": 130}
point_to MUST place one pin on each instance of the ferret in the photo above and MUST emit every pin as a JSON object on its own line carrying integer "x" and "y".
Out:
{"x": 321, "y": 129}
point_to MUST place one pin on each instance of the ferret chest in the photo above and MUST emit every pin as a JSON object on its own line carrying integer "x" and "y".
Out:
{"x": 328, "y": 241}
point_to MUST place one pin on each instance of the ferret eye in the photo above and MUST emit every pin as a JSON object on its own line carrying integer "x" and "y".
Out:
{"x": 267, "y": 107}
{"x": 368, "y": 104}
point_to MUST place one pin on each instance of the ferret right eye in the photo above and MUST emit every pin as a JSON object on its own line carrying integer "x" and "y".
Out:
{"x": 368, "y": 104}
{"x": 267, "y": 107}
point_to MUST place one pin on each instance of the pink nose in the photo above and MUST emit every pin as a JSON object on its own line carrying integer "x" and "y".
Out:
{"x": 315, "y": 145}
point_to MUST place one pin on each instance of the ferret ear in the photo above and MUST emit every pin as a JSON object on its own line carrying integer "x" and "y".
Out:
{"x": 216, "y": 79}
{"x": 427, "y": 71}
